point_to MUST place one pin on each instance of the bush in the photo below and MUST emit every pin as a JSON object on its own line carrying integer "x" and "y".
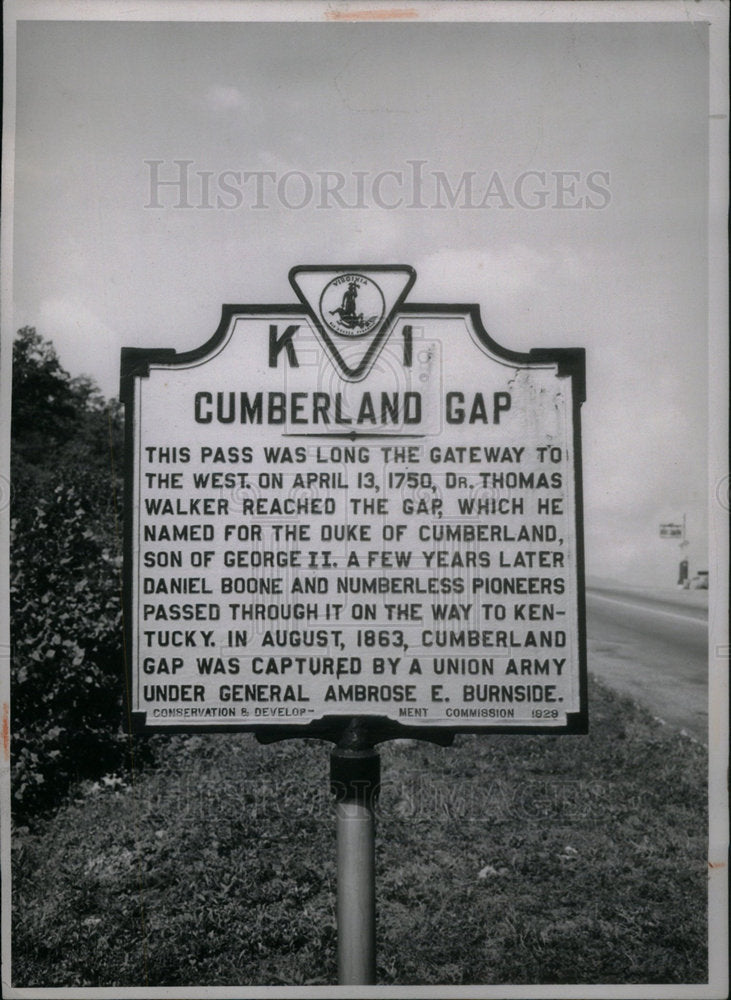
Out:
{"x": 68, "y": 666}
{"x": 68, "y": 671}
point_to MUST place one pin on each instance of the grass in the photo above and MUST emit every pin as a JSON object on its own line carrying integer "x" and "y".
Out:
{"x": 504, "y": 859}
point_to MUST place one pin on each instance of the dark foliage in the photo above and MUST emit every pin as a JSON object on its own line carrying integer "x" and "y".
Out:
{"x": 58, "y": 420}
{"x": 67, "y": 659}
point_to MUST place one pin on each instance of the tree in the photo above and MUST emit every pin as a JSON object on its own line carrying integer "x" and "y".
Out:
{"x": 57, "y": 419}
{"x": 67, "y": 667}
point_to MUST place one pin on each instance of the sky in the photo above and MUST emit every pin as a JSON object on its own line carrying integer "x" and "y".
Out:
{"x": 615, "y": 114}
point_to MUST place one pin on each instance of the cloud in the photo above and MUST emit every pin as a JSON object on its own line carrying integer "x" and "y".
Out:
{"x": 520, "y": 289}
{"x": 222, "y": 98}
{"x": 503, "y": 274}
{"x": 84, "y": 344}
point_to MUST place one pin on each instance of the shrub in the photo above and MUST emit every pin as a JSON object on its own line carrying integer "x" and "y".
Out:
{"x": 67, "y": 658}
{"x": 65, "y": 588}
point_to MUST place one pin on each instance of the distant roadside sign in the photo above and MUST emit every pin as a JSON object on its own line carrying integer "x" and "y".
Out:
{"x": 671, "y": 531}
{"x": 352, "y": 505}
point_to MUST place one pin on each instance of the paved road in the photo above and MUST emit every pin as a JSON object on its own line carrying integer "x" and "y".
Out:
{"x": 653, "y": 646}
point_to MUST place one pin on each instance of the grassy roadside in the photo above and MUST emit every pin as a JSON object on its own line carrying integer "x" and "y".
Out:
{"x": 504, "y": 859}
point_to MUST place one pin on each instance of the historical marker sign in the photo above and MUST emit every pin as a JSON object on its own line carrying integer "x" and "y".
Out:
{"x": 354, "y": 506}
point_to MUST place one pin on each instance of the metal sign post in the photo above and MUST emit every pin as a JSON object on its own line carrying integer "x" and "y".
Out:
{"x": 355, "y": 769}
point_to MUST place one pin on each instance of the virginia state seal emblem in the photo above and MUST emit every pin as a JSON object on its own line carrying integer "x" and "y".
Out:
{"x": 351, "y": 305}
